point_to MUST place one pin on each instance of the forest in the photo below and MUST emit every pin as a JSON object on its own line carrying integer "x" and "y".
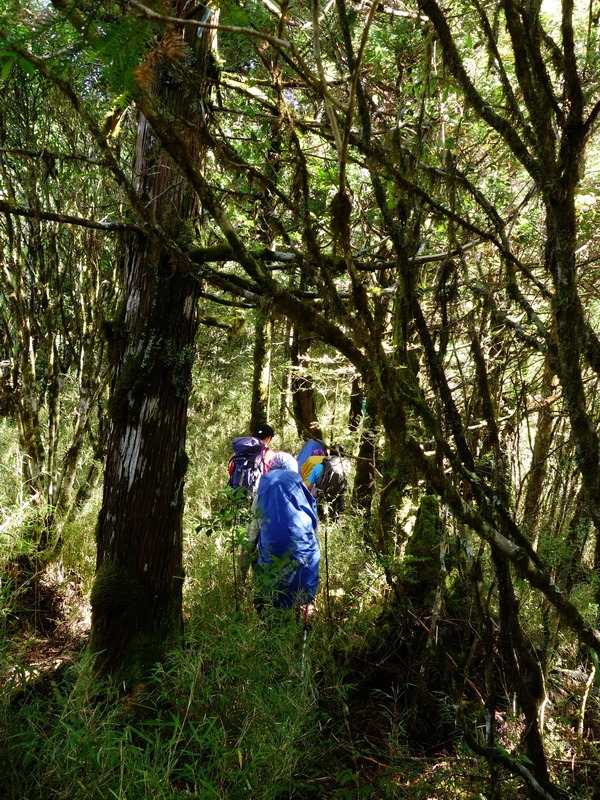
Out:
{"x": 367, "y": 222}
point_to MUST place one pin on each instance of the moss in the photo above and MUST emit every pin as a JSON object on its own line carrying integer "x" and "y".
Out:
{"x": 124, "y": 637}
{"x": 181, "y": 466}
{"x": 129, "y": 383}
{"x": 180, "y": 363}
{"x": 422, "y": 556}
{"x": 114, "y": 335}
{"x": 118, "y": 590}
{"x": 396, "y": 481}
{"x": 135, "y": 377}
{"x": 129, "y": 634}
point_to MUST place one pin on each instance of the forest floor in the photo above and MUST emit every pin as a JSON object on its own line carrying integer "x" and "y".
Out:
{"x": 51, "y": 629}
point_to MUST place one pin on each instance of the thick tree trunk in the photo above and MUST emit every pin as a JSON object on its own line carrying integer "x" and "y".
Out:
{"x": 137, "y": 593}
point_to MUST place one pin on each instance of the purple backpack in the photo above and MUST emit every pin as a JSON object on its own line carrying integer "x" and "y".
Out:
{"x": 246, "y": 464}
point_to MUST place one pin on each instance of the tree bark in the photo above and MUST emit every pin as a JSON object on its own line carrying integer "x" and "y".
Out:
{"x": 523, "y": 671}
{"x": 303, "y": 396}
{"x": 261, "y": 378}
{"x": 364, "y": 474}
{"x": 539, "y": 460}
{"x": 137, "y": 593}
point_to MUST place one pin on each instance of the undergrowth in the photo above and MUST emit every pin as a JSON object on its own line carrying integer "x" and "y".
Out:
{"x": 260, "y": 708}
{"x": 246, "y": 708}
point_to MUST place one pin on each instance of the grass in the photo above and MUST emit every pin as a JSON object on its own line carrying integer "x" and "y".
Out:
{"x": 244, "y": 709}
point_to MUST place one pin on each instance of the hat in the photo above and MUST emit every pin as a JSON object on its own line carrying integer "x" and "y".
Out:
{"x": 283, "y": 460}
{"x": 264, "y": 431}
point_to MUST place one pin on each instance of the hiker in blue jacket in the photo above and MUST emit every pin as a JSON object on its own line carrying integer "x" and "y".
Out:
{"x": 287, "y": 569}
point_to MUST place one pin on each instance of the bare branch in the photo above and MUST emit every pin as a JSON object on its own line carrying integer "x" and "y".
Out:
{"x": 51, "y": 216}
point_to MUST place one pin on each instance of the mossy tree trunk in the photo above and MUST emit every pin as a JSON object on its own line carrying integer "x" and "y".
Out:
{"x": 263, "y": 337}
{"x": 539, "y": 461}
{"x": 364, "y": 475}
{"x": 261, "y": 379}
{"x": 303, "y": 393}
{"x": 137, "y": 593}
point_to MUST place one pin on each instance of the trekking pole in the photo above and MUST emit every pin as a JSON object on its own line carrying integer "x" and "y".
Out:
{"x": 304, "y": 638}
{"x": 327, "y": 600}
{"x": 235, "y": 583}
{"x": 233, "y": 555}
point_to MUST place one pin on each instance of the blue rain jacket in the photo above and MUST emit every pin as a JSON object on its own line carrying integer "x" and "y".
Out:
{"x": 288, "y": 550}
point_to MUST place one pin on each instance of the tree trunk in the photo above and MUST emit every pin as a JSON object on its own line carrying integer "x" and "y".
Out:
{"x": 303, "y": 395}
{"x": 261, "y": 379}
{"x": 539, "y": 460}
{"x": 356, "y": 406}
{"x": 523, "y": 671}
{"x": 364, "y": 474}
{"x": 263, "y": 339}
{"x": 137, "y": 593}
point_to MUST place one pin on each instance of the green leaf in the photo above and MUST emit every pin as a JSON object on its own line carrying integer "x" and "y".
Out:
{"x": 6, "y": 69}
{"x": 238, "y": 17}
{"x": 27, "y": 67}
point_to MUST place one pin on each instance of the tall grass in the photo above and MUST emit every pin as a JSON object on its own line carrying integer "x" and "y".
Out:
{"x": 246, "y": 708}
{"x": 231, "y": 716}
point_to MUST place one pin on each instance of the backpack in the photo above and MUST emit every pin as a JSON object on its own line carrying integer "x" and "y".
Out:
{"x": 333, "y": 479}
{"x": 311, "y": 448}
{"x": 246, "y": 464}
{"x": 308, "y": 465}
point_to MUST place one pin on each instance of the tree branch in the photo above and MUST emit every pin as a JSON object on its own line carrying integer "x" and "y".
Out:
{"x": 523, "y": 564}
{"x": 484, "y": 109}
{"x": 50, "y": 216}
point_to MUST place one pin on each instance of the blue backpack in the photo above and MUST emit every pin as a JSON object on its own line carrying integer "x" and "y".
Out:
{"x": 246, "y": 464}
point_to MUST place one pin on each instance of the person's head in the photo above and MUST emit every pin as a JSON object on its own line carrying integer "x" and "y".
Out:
{"x": 283, "y": 460}
{"x": 265, "y": 432}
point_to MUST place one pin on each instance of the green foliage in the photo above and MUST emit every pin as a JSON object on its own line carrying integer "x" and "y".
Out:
{"x": 119, "y": 50}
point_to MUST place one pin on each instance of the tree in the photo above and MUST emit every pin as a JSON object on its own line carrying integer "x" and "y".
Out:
{"x": 426, "y": 393}
{"x": 136, "y": 598}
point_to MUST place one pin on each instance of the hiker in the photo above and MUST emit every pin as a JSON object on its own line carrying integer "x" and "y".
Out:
{"x": 251, "y": 458}
{"x": 328, "y": 480}
{"x": 266, "y": 433}
{"x": 284, "y": 529}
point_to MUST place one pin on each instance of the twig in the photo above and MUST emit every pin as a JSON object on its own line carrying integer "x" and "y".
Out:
{"x": 588, "y": 686}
